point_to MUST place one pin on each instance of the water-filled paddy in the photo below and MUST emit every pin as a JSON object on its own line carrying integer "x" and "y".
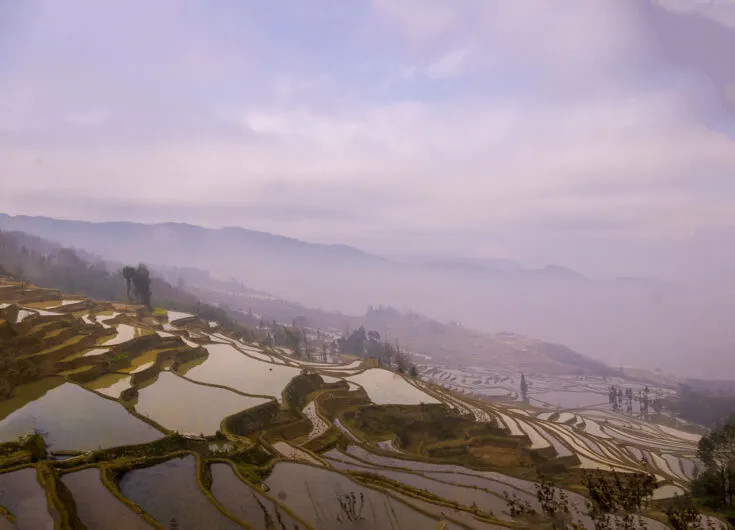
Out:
{"x": 111, "y": 385}
{"x": 169, "y": 490}
{"x": 467, "y": 496}
{"x": 244, "y": 502}
{"x": 228, "y": 367}
{"x": 72, "y": 418}
{"x": 125, "y": 332}
{"x": 387, "y": 388}
{"x": 570, "y": 399}
{"x": 65, "y": 303}
{"x": 102, "y": 319}
{"x": 173, "y": 316}
{"x": 23, "y": 496}
{"x": 22, "y": 315}
{"x": 187, "y": 407}
{"x": 97, "y": 507}
{"x": 537, "y": 441}
{"x": 96, "y": 351}
{"x": 313, "y": 493}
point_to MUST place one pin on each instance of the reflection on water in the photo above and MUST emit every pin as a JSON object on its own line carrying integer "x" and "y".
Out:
{"x": 111, "y": 384}
{"x": 24, "y": 497}
{"x": 97, "y": 507}
{"x": 169, "y": 490}
{"x": 315, "y": 493}
{"x": 569, "y": 399}
{"x": 72, "y": 418}
{"x": 187, "y": 407}
{"x": 228, "y": 367}
{"x": 244, "y": 502}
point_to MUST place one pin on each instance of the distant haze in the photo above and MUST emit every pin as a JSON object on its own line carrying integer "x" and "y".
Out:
{"x": 595, "y": 135}
{"x": 681, "y": 329}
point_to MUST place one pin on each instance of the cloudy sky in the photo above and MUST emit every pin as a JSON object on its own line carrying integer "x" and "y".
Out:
{"x": 594, "y": 134}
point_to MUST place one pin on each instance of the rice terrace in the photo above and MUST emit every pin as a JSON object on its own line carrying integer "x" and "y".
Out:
{"x": 129, "y": 418}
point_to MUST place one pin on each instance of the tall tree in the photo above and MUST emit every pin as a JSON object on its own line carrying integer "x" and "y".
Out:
{"x": 140, "y": 279}
{"x": 524, "y": 387}
{"x": 128, "y": 272}
{"x": 717, "y": 452}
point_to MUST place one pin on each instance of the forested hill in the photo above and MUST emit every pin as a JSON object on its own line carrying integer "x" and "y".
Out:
{"x": 46, "y": 264}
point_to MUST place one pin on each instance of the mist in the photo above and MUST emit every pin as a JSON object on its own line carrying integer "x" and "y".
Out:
{"x": 560, "y": 172}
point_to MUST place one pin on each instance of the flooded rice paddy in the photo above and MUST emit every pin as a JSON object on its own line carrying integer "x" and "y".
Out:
{"x": 97, "y": 507}
{"x": 169, "y": 491}
{"x": 245, "y": 502}
{"x": 388, "y": 388}
{"x": 187, "y": 407}
{"x": 227, "y": 366}
{"x": 72, "y": 418}
{"x": 23, "y": 496}
{"x": 315, "y": 494}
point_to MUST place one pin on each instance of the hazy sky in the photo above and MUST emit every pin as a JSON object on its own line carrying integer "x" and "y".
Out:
{"x": 594, "y": 134}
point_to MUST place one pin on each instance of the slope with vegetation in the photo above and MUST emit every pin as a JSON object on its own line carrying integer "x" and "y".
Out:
{"x": 425, "y": 456}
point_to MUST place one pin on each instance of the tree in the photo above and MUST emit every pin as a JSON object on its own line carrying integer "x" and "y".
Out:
{"x": 524, "y": 387}
{"x": 140, "y": 280}
{"x": 402, "y": 361}
{"x": 619, "y": 496}
{"x": 354, "y": 344}
{"x": 614, "y": 398}
{"x": 717, "y": 451}
{"x": 682, "y": 513}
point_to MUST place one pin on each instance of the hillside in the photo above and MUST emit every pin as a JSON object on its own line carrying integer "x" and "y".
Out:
{"x": 48, "y": 264}
{"x": 183, "y": 420}
{"x": 416, "y": 333}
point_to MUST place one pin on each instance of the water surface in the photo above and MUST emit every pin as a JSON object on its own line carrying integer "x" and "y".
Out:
{"x": 228, "y": 367}
{"x": 314, "y": 493}
{"x": 387, "y": 388}
{"x": 24, "y": 497}
{"x": 187, "y": 407}
{"x": 97, "y": 507}
{"x": 169, "y": 490}
{"x": 72, "y": 418}
{"x": 244, "y": 502}
{"x": 111, "y": 384}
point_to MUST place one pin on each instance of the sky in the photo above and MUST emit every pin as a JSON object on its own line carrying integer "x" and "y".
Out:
{"x": 594, "y": 134}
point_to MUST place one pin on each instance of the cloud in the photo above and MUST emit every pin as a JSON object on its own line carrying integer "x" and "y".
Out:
{"x": 720, "y": 11}
{"x": 405, "y": 121}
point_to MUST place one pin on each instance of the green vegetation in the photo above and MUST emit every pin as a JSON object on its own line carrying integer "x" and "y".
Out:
{"x": 45, "y": 351}
{"x": 140, "y": 279}
{"x": 363, "y": 343}
{"x": 714, "y": 488}
{"x": 706, "y": 409}
{"x": 296, "y": 392}
{"x": 46, "y": 264}
{"x": 433, "y": 431}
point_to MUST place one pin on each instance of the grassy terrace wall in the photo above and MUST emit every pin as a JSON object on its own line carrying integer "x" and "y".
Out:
{"x": 253, "y": 419}
{"x": 119, "y": 357}
{"x": 297, "y": 390}
{"x": 59, "y": 496}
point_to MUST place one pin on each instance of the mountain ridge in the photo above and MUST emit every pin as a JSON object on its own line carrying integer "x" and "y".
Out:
{"x": 616, "y": 321}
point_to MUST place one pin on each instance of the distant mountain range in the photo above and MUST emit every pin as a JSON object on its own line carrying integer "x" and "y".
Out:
{"x": 163, "y": 242}
{"x": 627, "y": 321}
